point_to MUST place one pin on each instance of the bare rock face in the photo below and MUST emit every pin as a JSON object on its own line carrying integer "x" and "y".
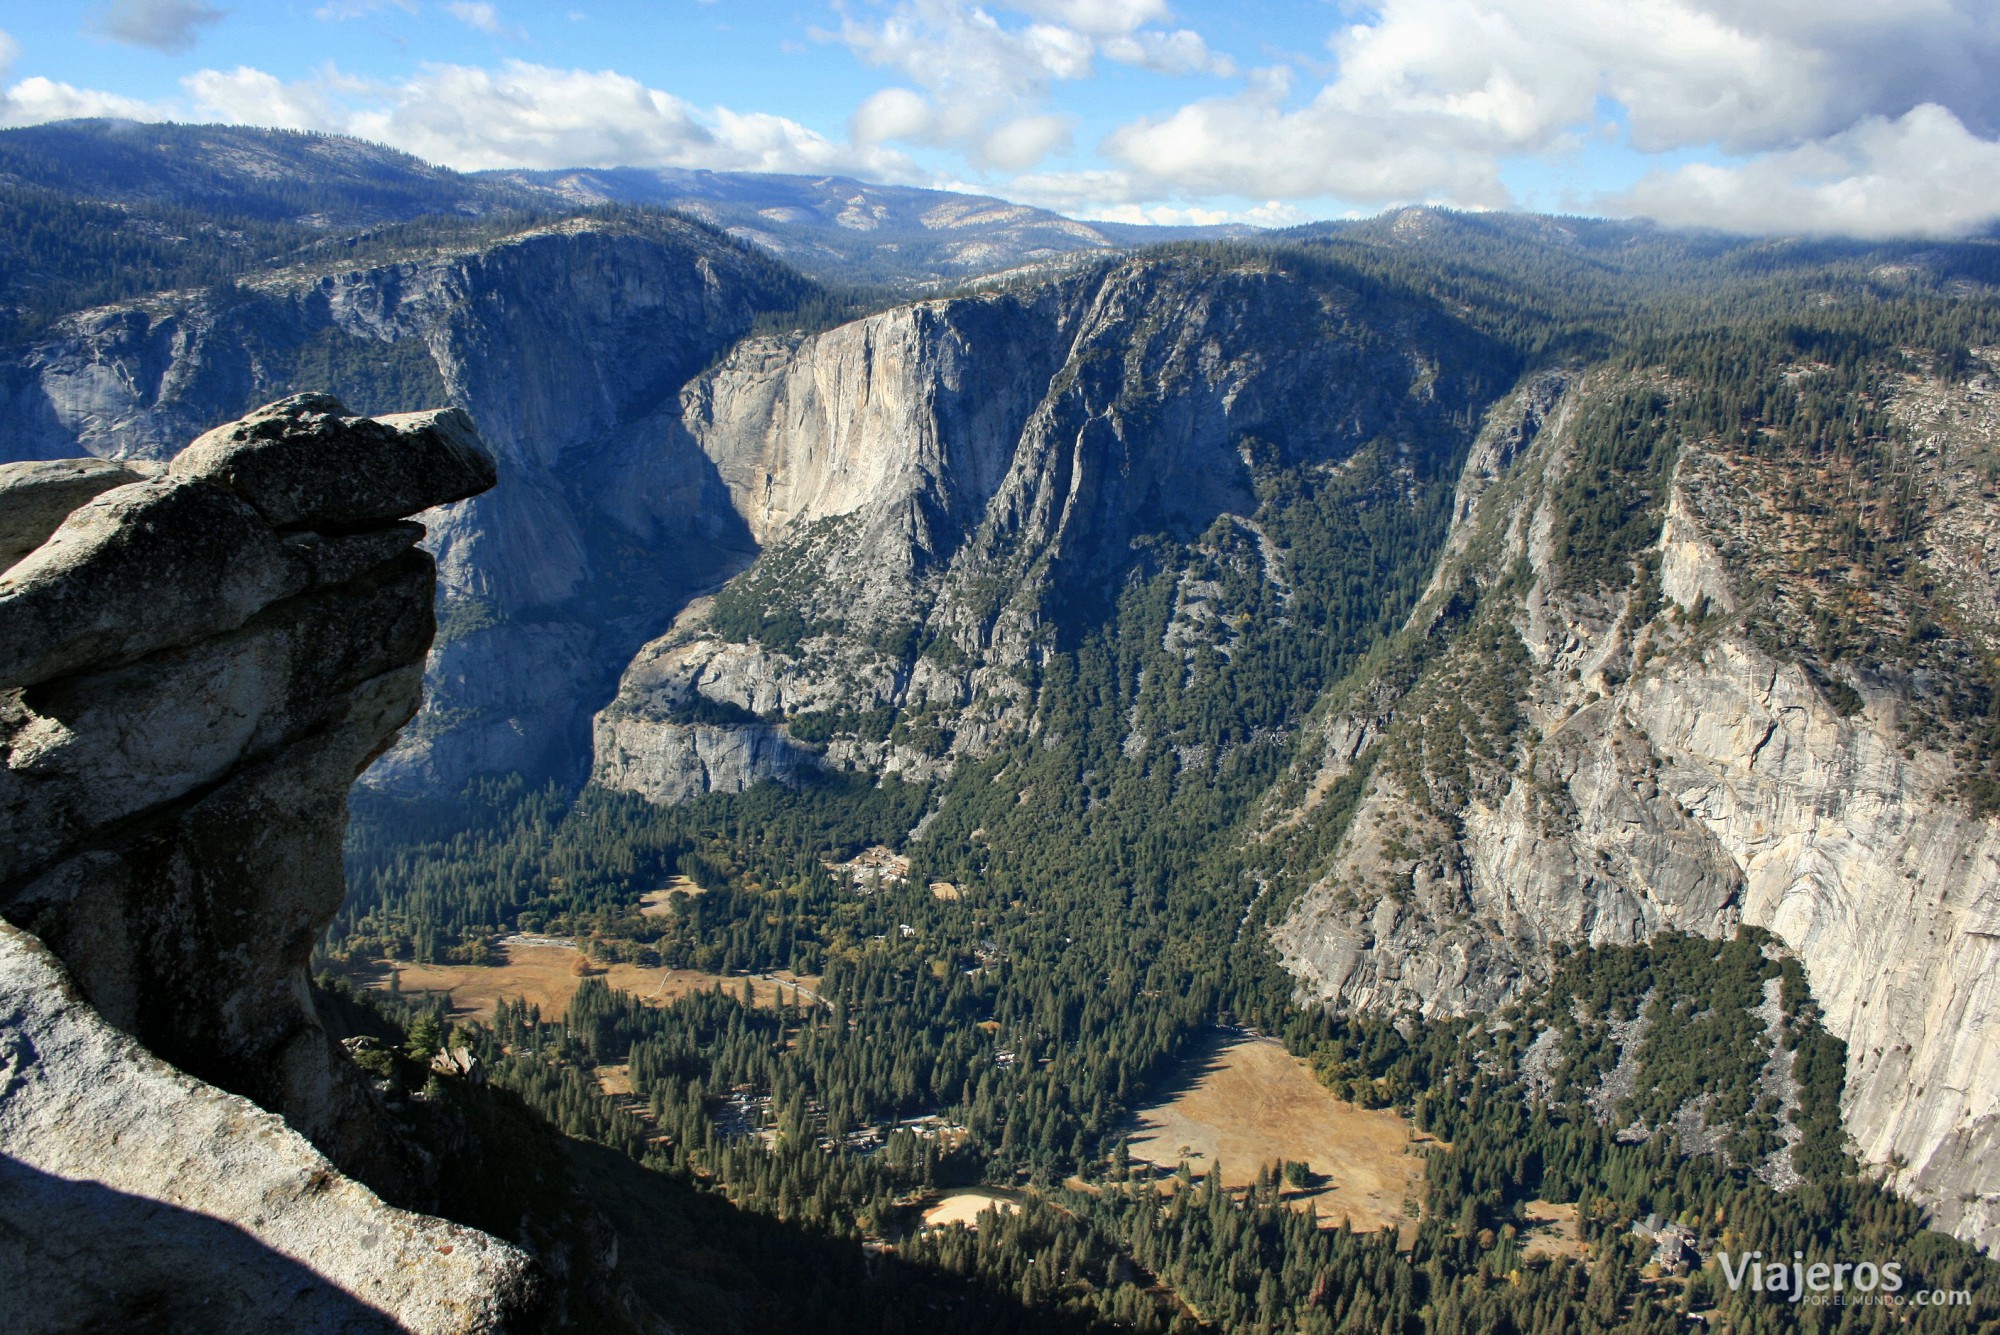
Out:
{"x": 938, "y": 490}
{"x": 139, "y": 569}
{"x": 668, "y": 762}
{"x": 193, "y": 669}
{"x": 305, "y": 461}
{"x": 1661, "y": 767}
{"x": 135, "y": 1197}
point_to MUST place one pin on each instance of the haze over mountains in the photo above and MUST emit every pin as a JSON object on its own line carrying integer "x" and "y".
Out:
{"x": 844, "y": 230}
{"x": 1364, "y": 617}
{"x": 834, "y": 228}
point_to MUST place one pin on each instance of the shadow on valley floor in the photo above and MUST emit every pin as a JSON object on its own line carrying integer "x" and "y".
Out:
{"x": 712, "y": 1269}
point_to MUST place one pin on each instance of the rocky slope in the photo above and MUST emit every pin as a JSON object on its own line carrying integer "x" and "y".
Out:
{"x": 133, "y": 1196}
{"x": 1596, "y": 760}
{"x": 195, "y": 662}
{"x": 943, "y": 492}
{"x": 562, "y": 341}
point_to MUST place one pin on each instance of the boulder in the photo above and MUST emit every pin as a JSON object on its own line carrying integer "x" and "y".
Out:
{"x": 304, "y": 462}
{"x": 141, "y": 568}
{"x": 35, "y": 497}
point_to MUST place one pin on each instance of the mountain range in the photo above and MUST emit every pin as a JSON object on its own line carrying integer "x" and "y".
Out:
{"x": 1416, "y": 600}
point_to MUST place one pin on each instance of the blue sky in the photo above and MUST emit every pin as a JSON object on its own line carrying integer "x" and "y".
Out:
{"x": 1871, "y": 117}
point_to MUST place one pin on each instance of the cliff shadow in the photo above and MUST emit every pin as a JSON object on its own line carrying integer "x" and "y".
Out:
{"x": 721, "y": 1269}
{"x": 80, "y": 1256}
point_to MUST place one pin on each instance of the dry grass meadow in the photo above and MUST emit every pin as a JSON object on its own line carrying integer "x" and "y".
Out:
{"x": 1249, "y": 1103}
{"x": 546, "y": 976}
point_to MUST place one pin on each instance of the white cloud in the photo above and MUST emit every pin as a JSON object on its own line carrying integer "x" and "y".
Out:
{"x": 758, "y": 141}
{"x": 10, "y": 51}
{"x": 987, "y": 80}
{"x": 893, "y": 113}
{"x": 1272, "y": 213}
{"x": 36, "y": 100}
{"x": 338, "y": 11}
{"x": 1179, "y": 52}
{"x": 1429, "y": 98}
{"x": 534, "y": 116}
{"x": 1104, "y": 17}
{"x": 1025, "y": 141}
{"x": 246, "y": 96}
{"x": 483, "y": 17}
{"x": 164, "y": 25}
{"x": 1250, "y": 145}
{"x": 1921, "y": 174}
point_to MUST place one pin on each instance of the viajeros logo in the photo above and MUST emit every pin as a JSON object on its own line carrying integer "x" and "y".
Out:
{"x": 1829, "y": 1282}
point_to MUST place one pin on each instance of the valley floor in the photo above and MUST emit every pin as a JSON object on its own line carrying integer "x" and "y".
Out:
{"x": 1245, "y": 1104}
{"x": 543, "y": 972}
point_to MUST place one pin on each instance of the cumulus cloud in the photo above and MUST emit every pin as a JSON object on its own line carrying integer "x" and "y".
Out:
{"x": 246, "y": 96}
{"x": 36, "y": 100}
{"x": 1429, "y": 99}
{"x": 987, "y": 72}
{"x": 1921, "y": 174}
{"x": 1182, "y": 51}
{"x": 893, "y": 113}
{"x": 534, "y": 116}
{"x": 164, "y": 25}
{"x": 1252, "y": 146}
{"x": 1025, "y": 141}
{"x": 1749, "y": 77}
{"x": 1098, "y": 16}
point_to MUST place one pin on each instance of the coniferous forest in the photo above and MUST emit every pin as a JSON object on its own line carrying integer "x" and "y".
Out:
{"x": 1109, "y": 906}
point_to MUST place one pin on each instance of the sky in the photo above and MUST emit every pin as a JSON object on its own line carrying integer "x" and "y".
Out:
{"x": 1855, "y": 117}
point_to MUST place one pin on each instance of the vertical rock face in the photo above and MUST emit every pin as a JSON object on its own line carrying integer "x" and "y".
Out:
{"x": 942, "y": 490}
{"x": 1632, "y": 767}
{"x": 193, "y": 669}
{"x": 567, "y": 343}
{"x": 191, "y": 690}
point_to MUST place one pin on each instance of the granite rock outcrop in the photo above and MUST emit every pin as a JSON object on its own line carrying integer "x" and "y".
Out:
{"x": 194, "y": 667}
{"x": 135, "y": 1197}
{"x": 567, "y": 342}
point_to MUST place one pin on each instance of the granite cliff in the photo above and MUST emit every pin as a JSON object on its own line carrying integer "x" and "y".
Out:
{"x": 196, "y": 660}
{"x": 562, "y": 340}
{"x": 942, "y": 493}
{"x": 1562, "y": 747}
{"x": 1592, "y": 762}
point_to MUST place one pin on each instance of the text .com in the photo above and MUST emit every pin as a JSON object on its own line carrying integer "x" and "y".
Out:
{"x": 1799, "y": 1281}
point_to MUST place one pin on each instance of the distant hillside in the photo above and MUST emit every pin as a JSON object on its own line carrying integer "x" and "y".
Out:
{"x": 839, "y": 229}
{"x": 271, "y": 175}
{"x": 93, "y": 211}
